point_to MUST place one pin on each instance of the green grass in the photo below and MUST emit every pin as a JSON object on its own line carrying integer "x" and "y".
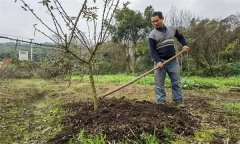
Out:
{"x": 187, "y": 82}
{"x": 233, "y": 107}
{"x": 82, "y": 138}
{"x": 207, "y": 135}
{"x": 29, "y": 114}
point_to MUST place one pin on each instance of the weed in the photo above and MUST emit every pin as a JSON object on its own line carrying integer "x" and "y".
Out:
{"x": 149, "y": 138}
{"x": 168, "y": 134}
{"x": 81, "y": 138}
{"x": 179, "y": 142}
{"x": 233, "y": 107}
{"x": 203, "y": 136}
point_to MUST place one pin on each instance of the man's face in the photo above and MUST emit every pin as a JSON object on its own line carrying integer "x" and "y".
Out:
{"x": 157, "y": 22}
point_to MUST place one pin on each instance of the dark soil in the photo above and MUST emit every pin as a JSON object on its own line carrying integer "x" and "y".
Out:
{"x": 121, "y": 119}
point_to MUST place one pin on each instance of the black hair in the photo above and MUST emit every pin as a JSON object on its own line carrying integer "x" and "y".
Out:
{"x": 158, "y": 13}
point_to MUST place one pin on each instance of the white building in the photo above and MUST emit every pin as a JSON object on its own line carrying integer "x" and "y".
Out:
{"x": 23, "y": 55}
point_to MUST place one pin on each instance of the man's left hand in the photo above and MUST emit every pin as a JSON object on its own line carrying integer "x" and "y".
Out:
{"x": 185, "y": 48}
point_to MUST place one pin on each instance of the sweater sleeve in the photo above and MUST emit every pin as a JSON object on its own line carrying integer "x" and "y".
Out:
{"x": 180, "y": 38}
{"x": 153, "y": 51}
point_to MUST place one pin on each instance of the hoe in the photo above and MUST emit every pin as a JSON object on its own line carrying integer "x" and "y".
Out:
{"x": 146, "y": 73}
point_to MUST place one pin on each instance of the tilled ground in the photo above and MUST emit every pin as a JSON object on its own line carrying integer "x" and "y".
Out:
{"x": 27, "y": 116}
{"x": 121, "y": 119}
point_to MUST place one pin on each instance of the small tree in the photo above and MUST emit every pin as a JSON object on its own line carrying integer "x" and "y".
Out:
{"x": 64, "y": 34}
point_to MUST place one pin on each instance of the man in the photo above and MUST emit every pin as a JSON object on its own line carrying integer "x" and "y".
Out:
{"x": 161, "y": 47}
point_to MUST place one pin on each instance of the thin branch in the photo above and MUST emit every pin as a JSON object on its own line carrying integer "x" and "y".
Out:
{"x": 66, "y": 18}
{"x": 31, "y": 10}
{"x": 46, "y": 36}
{"x": 89, "y": 37}
{"x": 64, "y": 12}
{"x": 66, "y": 47}
{"x": 76, "y": 56}
{"x": 75, "y": 25}
{"x": 56, "y": 23}
{"x": 110, "y": 20}
{"x": 102, "y": 39}
{"x": 83, "y": 41}
{"x": 103, "y": 15}
{"x": 95, "y": 31}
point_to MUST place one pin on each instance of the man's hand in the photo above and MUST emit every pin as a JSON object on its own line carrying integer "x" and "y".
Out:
{"x": 160, "y": 64}
{"x": 185, "y": 48}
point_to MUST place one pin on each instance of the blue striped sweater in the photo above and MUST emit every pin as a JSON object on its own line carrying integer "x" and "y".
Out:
{"x": 161, "y": 42}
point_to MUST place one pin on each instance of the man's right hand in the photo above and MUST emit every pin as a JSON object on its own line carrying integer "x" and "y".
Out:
{"x": 160, "y": 64}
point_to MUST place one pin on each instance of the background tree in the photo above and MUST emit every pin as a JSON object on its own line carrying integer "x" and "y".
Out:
{"x": 208, "y": 38}
{"x": 129, "y": 30}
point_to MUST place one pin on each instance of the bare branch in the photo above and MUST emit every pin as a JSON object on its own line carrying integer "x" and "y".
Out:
{"x": 103, "y": 38}
{"x": 31, "y": 10}
{"x": 67, "y": 20}
{"x": 103, "y": 16}
{"x": 77, "y": 57}
{"x": 56, "y": 23}
{"x": 46, "y": 35}
{"x": 110, "y": 20}
{"x": 64, "y": 14}
{"x": 75, "y": 25}
{"x": 89, "y": 31}
{"x": 95, "y": 32}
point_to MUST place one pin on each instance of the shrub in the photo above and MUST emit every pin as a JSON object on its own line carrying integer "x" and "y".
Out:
{"x": 22, "y": 69}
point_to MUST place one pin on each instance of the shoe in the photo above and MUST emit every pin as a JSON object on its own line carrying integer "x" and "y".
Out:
{"x": 179, "y": 105}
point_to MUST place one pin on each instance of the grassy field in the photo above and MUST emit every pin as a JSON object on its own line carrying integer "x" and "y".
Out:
{"x": 188, "y": 82}
{"x": 31, "y": 109}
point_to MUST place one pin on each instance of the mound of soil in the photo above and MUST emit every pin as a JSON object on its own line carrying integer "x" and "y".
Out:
{"x": 121, "y": 119}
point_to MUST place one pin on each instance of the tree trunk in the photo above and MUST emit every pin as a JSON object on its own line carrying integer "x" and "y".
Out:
{"x": 132, "y": 60}
{"x": 95, "y": 98}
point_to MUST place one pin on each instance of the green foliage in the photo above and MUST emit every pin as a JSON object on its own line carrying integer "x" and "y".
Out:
{"x": 29, "y": 116}
{"x": 203, "y": 136}
{"x": 149, "y": 138}
{"x": 7, "y": 49}
{"x": 235, "y": 68}
{"x": 90, "y": 13}
{"x": 197, "y": 84}
{"x": 56, "y": 64}
{"x": 46, "y": 122}
{"x": 22, "y": 69}
{"x": 81, "y": 138}
{"x": 112, "y": 59}
{"x": 232, "y": 50}
{"x": 225, "y": 69}
{"x": 234, "y": 107}
{"x": 168, "y": 134}
{"x": 207, "y": 135}
{"x": 179, "y": 142}
{"x": 193, "y": 82}
{"x": 129, "y": 27}
{"x": 147, "y": 15}
{"x": 14, "y": 57}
